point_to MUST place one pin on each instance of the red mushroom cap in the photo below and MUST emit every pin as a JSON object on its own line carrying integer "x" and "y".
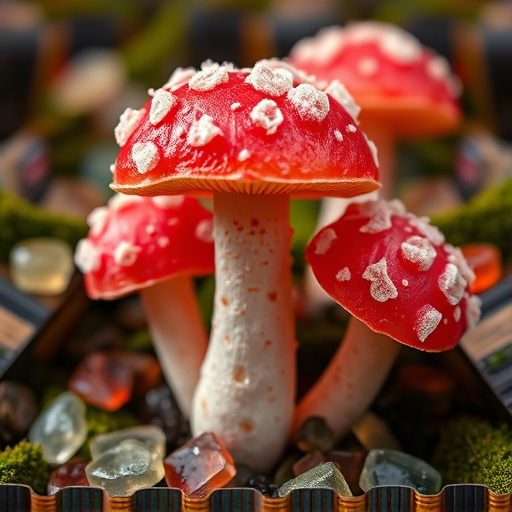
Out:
{"x": 260, "y": 130}
{"x": 399, "y": 277}
{"x": 135, "y": 242}
{"x": 388, "y": 72}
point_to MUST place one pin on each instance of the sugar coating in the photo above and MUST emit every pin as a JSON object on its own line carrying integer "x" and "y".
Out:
{"x": 87, "y": 257}
{"x": 161, "y": 105}
{"x": 325, "y": 240}
{"x": 202, "y": 131}
{"x": 168, "y": 202}
{"x": 204, "y": 230}
{"x": 381, "y": 288}
{"x": 127, "y": 122}
{"x": 418, "y": 250}
{"x": 311, "y": 104}
{"x": 146, "y": 156}
{"x": 339, "y": 92}
{"x": 344, "y": 274}
{"x": 125, "y": 254}
{"x": 209, "y": 77}
{"x": 267, "y": 115}
{"x": 274, "y": 82}
{"x": 97, "y": 219}
{"x": 452, "y": 284}
{"x": 427, "y": 320}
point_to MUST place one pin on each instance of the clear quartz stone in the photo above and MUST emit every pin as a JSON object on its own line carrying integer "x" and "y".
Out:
{"x": 152, "y": 435}
{"x": 60, "y": 428}
{"x": 126, "y": 468}
{"x": 323, "y": 476}
{"x": 392, "y": 467}
{"x": 42, "y": 266}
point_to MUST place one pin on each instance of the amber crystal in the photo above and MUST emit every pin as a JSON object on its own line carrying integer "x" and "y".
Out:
{"x": 485, "y": 260}
{"x": 72, "y": 473}
{"x": 200, "y": 466}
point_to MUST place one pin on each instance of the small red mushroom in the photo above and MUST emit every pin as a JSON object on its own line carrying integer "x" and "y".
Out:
{"x": 252, "y": 138}
{"x": 401, "y": 282}
{"x": 155, "y": 246}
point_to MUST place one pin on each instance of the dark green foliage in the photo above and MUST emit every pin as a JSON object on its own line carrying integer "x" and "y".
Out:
{"x": 24, "y": 464}
{"x": 473, "y": 450}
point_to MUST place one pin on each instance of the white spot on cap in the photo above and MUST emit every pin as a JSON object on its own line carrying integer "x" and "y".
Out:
{"x": 380, "y": 217}
{"x": 433, "y": 233}
{"x": 204, "y": 230}
{"x": 97, "y": 219}
{"x": 235, "y": 106}
{"x": 381, "y": 288}
{"x": 399, "y": 45}
{"x": 209, "y": 77}
{"x": 351, "y": 128}
{"x": 418, "y": 250}
{"x": 339, "y": 92}
{"x": 457, "y": 313}
{"x": 373, "y": 150}
{"x": 456, "y": 257}
{"x": 344, "y": 274}
{"x": 127, "y": 122}
{"x": 275, "y": 82}
{"x": 368, "y": 66}
{"x": 150, "y": 229}
{"x": 167, "y": 202}
{"x": 87, "y": 258}
{"x": 119, "y": 201}
{"x": 161, "y": 105}
{"x": 452, "y": 284}
{"x": 203, "y": 131}
{"x": 163, "y": 241}
{"x": 325, "y": 240}
{"x": 146, "y": 156}
{"x": 311, "y": 104}
{"x": 179, "y": 77}
{"x": 244, "y": 155}
{"x": 126, "y": 254}
{"x": 427, "y": 320}
{"x": 405, "y": 282}
{"x": 338, "y": 135}
{"x": 473, "y": 305}
{"x": 267, "y": 115}
{"x": 112, "y": 168}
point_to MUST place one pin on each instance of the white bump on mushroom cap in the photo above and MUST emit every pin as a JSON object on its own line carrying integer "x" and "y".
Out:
{"x": 235, "y": 106}
{"x": 399, "y": 45}
{"x": 405, "y": 282}
{"x": 339, "y": 92}
{"x": 368, "y": 66}
{"x": 325, "y": 240}
{"x": 473, "y": 305}
{"x": 311, "y": 103}
{"x": 97, "y": 219}
{"x": 179, "y": 77}
{"x": 204, "y": 230}
{"x": 146, "y": 156}
{"x": 427, "y": 320}
{"x": 119, "y": 201}
{"x": 112, "y": 168}
{"x": 202, "y": 131}
{"x": 338, "y": 135}
{"x": 418, "y": 250}
{"x": 452, "y": 284}
{"x": 344, "y": 274}
{"x": 373, "y": 150}
{"x": 267, "y": 115}
{"x": 456, "y": 257}
{"x": 380, "y": 217}
{"x": 244, "y": 155}
{"x": 211, "y": 75}
{"x": 87, "y": 258}
{"x": 275, "y": 82}
{"x": 322, "y": 48}
{"x": 125, "y": 254}
{"x": 165, "y": 202}
{"x": 351, "y": 128}
{"x": 150, "y": 229}
{"x": 422, "y": 224}
{"x": 127, "y": 122}
{"x": 457, "y": 313}
{"x": 163, "y": 241}
{"x": 161, "y": 105}
{"x": 381, "y": 288}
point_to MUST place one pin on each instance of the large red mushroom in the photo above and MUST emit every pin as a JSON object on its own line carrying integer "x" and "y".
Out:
{"x": 402, "y": 283}
{"x": 155, "y": 246}
{"x": 251, "y": 138}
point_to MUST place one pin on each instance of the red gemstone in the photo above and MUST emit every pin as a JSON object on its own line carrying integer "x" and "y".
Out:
{"x": 70, "y": 474}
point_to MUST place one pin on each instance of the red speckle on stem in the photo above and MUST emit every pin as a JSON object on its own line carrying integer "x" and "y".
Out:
{"x": 253, "y": 290}
{"x": 255, "y": 222}
{"x": 272, "y": 296}
{"x": 246, "y": 426}
{"x": 224, "y": 301}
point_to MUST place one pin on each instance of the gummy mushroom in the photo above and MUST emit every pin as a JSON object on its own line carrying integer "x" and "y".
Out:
{"x": 402, "y": 283}
{"x": 155, "y": 246}
{"x": 251, "y": 139}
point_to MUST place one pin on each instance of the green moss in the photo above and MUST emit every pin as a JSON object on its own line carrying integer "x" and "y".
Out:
{"x": 484, "y": 218}
{"x": 24, "y": 464}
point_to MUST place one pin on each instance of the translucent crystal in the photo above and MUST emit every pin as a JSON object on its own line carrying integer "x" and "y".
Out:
{"x": 200, "y": 466}
{"x": 152, "y": 435}
{"x": 41, "y": 265}
{"x": 323, "y": 476}
{"x": 392, "y": 467}
{"x": 60, "y": 428}
{"x": 126, "y": 468}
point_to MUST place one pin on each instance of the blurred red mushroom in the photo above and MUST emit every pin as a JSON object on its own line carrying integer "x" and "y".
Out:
{"x": 252, "y": 138}
{"x": 400, "y": 281}
{"x": 155, "y": 246}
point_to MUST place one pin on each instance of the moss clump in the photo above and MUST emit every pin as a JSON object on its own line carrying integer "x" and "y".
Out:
{"x": 24, "y": 464}
{"x": 474, "y": 450}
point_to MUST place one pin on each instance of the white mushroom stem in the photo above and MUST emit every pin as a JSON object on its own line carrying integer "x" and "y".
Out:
{"x": 246, "y": 391}
{"x": 351, "y": 381}
{"x": 178, "y": 334}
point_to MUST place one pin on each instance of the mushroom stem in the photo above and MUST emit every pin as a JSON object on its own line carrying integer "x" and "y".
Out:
{"x": 246, "y": 391}
{"x": 351, "y": 381}
{"x": 178, "y": 334}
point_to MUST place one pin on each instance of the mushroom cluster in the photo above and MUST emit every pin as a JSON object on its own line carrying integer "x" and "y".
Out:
{"x": 251, "y": 139}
